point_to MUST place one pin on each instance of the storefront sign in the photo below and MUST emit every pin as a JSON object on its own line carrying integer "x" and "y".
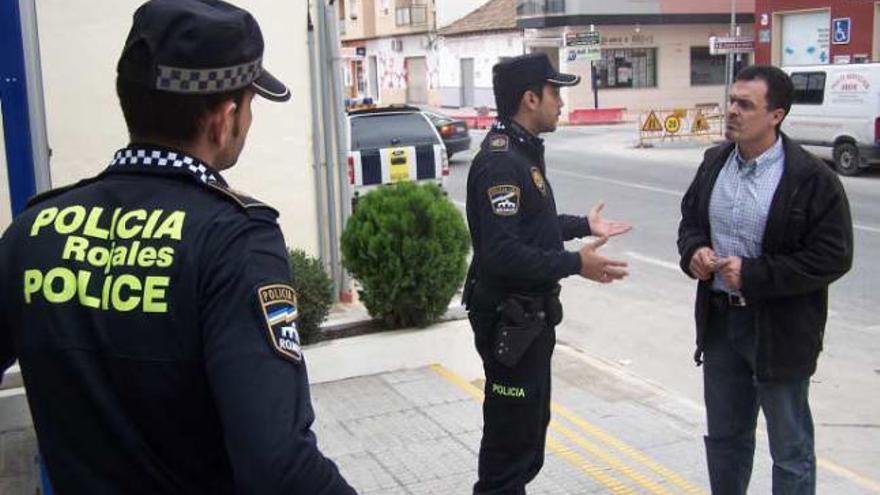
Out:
{"x": 722, "y": 45}
{"x": 634, "y": 40}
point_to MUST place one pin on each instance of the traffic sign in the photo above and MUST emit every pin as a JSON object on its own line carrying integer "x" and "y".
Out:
{"x": 652, "y": 123}
{"x": 840, "y": 30}
{"x": 583, "y": 47}
{"x": 672, "y": 124}
{"x": 722, "y": 45}
{"x": 701, "y": 124}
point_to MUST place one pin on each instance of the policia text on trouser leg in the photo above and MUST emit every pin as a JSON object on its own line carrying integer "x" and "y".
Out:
{"x": 515, "y": 341}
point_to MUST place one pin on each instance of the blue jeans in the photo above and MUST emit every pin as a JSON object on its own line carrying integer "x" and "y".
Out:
{"x": 733, "y": 396}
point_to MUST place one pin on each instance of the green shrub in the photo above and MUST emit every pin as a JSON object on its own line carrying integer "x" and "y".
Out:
{"x": 314, "y": 290}
{"x": 407, "y": 246}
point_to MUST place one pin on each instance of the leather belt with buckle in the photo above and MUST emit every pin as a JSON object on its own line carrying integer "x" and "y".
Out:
{"x": 736, "y": 300}
{"x": 733, "y": 300}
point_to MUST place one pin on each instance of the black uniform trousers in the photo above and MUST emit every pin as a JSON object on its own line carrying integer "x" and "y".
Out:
{"x": 516, "y": 409}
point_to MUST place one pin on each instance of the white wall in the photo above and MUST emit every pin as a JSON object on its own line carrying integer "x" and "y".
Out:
{"x": 486, "y": 50}
{"x": 80, "y": 43}
{"x": 392, "y": 67}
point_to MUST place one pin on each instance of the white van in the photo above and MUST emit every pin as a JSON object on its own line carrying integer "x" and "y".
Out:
{"x": 836, "y": 113}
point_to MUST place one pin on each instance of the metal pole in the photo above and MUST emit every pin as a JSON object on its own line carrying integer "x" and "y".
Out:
{"x": 325, "y": 51}
{"x": 728, "y": 67}
{"x": 594, "y": 80}
{"x": 340, "y": 127}
{"x": 36, "y": 105}
{"x": 318, "y": 162}
{"x": 594, "y": 74}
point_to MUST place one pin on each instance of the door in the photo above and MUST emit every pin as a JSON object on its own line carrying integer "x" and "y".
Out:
{"x": 374, "y": 78}
{"x": 467, "y": 82}
{"x": 805, "y": 38}
{"x": 416, "y": 80}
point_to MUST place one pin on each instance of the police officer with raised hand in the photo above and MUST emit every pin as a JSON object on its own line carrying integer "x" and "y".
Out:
{"x": 149, "y": 307}
{"x": 512, "y": 289}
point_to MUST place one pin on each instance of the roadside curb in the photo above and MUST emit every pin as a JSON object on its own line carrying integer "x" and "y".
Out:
{"x": 353, "y": 327}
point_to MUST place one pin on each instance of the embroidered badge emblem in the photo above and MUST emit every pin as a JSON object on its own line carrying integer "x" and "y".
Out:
{"x": 504, "y": 199}
{"x": 499, "y": 142}
{"x": 538, "y": 179}
{"x": 278, "y": 303}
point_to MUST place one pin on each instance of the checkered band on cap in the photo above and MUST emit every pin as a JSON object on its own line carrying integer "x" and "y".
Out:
{"x": 205, "y": 81}
{"x": 163, "y": 159}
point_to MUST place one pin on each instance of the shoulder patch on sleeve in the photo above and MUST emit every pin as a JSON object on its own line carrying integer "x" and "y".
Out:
{"x": 278, "y": 306}
{"x": 504, "y": 200}
{"x": 241, "y": 199}
{"x": 499, "y": 142}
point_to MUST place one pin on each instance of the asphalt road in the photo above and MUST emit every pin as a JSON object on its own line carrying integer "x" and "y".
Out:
{"x": 645, "y": 323}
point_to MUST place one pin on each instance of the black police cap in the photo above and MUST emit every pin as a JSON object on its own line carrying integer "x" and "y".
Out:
{"x": 517, "y": 73}
{"x": 197, "y": 47}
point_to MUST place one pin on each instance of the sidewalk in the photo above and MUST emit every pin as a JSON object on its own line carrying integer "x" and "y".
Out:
{"x": 400, "y": 414}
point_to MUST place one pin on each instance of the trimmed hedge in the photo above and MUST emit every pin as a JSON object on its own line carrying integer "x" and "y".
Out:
{"x": 407, "y": 246}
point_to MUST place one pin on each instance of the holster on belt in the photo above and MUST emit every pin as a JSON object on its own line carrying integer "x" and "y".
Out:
{"x": 522, "y": 318}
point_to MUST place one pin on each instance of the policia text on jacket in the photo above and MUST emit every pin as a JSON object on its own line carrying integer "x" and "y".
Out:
{"x": 107, "y": 247}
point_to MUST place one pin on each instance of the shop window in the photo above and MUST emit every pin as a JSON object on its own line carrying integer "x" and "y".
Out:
{"x": 809, "y": 87}
{"x": 627, "y": 68}
{"x": 706, "y": 70}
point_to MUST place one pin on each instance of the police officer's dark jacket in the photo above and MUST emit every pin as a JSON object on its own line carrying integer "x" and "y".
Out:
{"x": 516, "y": 232}
{"x": 150, "y": 311}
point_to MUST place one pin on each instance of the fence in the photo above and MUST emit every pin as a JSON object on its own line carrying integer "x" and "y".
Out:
{"x": 700, "y": 122}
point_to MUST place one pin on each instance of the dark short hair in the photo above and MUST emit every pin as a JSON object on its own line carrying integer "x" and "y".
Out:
{"x": 150, "y": 113}
{"x": 507, "y": 102}
{"x": 780, "y": 90}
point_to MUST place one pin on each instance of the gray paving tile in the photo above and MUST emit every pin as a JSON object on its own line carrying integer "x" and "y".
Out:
{"x": 457, "y": 417}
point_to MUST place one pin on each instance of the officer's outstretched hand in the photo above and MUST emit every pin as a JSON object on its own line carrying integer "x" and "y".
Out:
{"x": 601, "y": 227}
{"x": 599, "y": 268}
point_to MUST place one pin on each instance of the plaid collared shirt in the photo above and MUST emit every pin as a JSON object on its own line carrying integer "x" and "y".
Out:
{"x": 740, "y": 204}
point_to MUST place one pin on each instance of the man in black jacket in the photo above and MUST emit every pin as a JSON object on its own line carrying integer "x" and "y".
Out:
{"x": 766, "y": 229}
{"x": 150, "y": 307}
{"x": 512, "y": 290}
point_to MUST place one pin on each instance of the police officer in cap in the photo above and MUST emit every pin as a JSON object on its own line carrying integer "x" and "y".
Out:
{"x": 149, "y": 307}
{"x": 512, "y": 290}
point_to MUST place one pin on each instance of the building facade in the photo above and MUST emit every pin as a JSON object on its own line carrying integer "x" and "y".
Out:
{"x": 654, "y": 53}
{"x": 391, "y": 47}
{"x": 810, "y": 32}
{"x": 385, "y": 44}
{"x": 467, "y": 50}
